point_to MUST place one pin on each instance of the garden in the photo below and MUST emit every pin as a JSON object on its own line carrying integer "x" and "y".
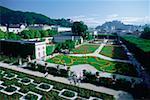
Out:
{"x": 99, "y": 64}
{"x": 116, "y": 52}
{"x": 42, "y": 89}
{"x": 84, "y": 49}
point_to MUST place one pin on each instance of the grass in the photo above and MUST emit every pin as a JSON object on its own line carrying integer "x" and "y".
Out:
{"x": 99, "y": 64}
{"x": 116, "y": 52}
{"x": 50, "y": 49}
{"x": 143, "y": 44}
{"x": 84, "y": 49}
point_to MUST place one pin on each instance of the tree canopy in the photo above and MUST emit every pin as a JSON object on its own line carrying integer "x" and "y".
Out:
{"x": 30, "y": 34}
{"x": 79, "y": 28}
{"x": 146, "y": 33}
{"x": 9, "y": 16}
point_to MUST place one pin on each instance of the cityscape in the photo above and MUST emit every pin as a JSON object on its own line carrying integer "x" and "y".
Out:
{"x": 74, "y": 50}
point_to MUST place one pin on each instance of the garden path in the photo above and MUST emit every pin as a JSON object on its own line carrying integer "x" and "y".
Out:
{"x": 139, "y": 68}
{"x": 96, "y": 54}
{"x": 66, "y": 81}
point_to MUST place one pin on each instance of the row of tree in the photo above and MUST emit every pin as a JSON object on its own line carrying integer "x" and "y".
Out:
{"x": 30, "y": 34}
{"x": 27, "y": 34}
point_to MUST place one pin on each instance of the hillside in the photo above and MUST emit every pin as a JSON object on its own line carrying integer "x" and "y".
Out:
{"x": 9, "y": 16}
{"x": 117, "y": 25}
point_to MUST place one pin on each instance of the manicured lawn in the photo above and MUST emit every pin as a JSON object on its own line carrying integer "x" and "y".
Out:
{"x": 143, "y": 44}
{"x": 50, "y": 49}
{"x": 84, "y": 49}
{"x": 116, "y": 52}
{"x": 99, "y": 64}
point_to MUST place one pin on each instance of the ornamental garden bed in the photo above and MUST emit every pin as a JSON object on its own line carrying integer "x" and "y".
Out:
{"x": 68, "y": 94}
{"x": 53, "y": 95}
{"x": 10, "y": 76}
{"x": 84, "y": 49}
{"x": 9, "y": 90}
{"x": 99, "y": 64}
{"x": 26, "y": 81}
{"x": 31, "y": 96}
{"x": 44, "y": 87}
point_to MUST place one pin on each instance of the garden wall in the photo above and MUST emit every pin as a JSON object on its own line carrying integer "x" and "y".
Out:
{"x": 141, "y": 56}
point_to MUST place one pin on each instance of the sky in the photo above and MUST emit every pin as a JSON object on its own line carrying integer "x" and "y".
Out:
{"x": 92, "y": 12}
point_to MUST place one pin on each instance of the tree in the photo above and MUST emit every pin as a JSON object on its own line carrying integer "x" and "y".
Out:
{"x": 79, "y": 28}
{"x": 36, "y": 34}
{"x": 44, "y": 33}
{"x": 146, "y": 33}
{"x": 13, "y": 36}
{"x": 52, "y": 32}
{"x": 2, "y": 34}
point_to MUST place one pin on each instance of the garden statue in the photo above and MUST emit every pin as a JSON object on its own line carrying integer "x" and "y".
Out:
{"x": 20, "y": 61}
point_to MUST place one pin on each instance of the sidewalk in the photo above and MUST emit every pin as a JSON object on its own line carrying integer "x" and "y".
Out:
{"x": 62, "y": 80}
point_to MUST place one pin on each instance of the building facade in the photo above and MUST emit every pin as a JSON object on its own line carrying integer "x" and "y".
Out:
{"x": 16, "y": 28}
{"x": 39, "y": 27}
{"x": 61, "y": 29}
{"x": 34, "y": 49}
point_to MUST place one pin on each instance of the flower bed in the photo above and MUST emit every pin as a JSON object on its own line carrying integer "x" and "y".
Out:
{"x": 68, "y": 94}
{"x": 10, "y": 89}
{"x": 44, "y": 87}
{"x": 31, "y": 97}
{"x": 84, "y": 93}
{"x": 25, "y": 80}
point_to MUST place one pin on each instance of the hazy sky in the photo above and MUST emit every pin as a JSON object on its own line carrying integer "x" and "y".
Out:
{"x": 92, "y": 12}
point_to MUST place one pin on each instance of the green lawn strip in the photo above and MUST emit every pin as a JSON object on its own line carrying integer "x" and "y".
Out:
{"x": 84, "y": 49}
{"x": 99, "y": 64}
{"x": 57, "y": 85}
{"x": 143, "y": 44}
{"x": 50, "y": 49}
{"x": 114, "y": 52}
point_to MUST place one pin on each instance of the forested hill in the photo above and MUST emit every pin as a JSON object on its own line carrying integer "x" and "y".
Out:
{"x": 8, "y": 16}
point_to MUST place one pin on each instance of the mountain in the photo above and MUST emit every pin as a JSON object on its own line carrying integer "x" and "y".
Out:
{"x": 117, "y": 25}
{"x": 8, "y": 16}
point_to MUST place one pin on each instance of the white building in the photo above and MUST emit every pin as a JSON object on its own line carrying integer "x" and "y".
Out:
{"x": 16, "y": 28}
{"x": 40, "y": 50}
{"x": 39, "y": 27}
{"x": 3, "y": 28}
{"x": 34, "y": 49}
{"x": 61, "y": 29}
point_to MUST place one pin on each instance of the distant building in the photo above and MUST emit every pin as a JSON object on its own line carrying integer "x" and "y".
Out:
{"x": 16, "y": 28}
{"x": 3, "y": 28}
{"x": 66, "y": 36}
{"x": 39, "y": 27}
{"x": 61, "y": 29}
{"x": 36, "y": 49}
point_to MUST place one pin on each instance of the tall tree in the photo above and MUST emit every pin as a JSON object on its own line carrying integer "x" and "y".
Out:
{"x": 79, "y": 28}
{"x": 146, "y": 33}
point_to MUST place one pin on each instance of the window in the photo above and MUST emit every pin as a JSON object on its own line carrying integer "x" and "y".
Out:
{"x": 38, "y": 48}
{"x": 39, "y": 54}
